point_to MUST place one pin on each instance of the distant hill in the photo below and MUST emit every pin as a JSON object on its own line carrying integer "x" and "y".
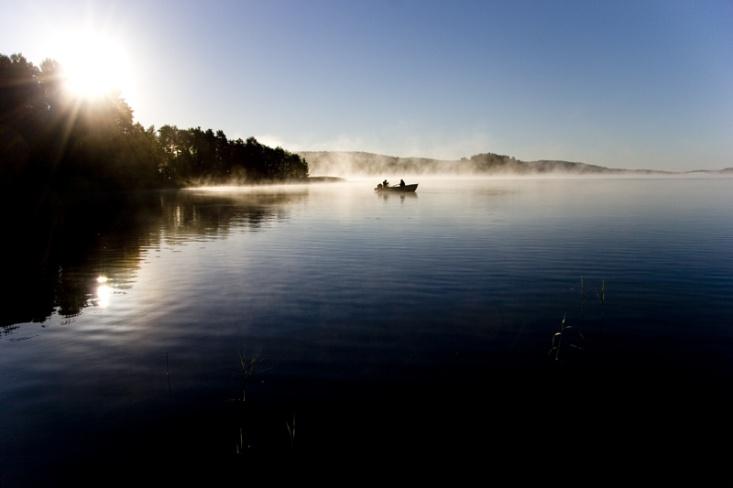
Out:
{"x": 344, "y": 163}
{"x": 724, "y": 171}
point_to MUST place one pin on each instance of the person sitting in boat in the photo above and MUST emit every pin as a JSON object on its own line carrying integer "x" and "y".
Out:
{"x": 402, "y": 183}
{"x": 385, "y": 184}
{"x": 379, "y": 186}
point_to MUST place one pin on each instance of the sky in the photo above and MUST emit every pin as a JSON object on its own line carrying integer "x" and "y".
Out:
{"x": 632, "y": 84}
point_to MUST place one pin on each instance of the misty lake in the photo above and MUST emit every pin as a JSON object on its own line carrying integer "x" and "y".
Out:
{"x": 199, "y": 323}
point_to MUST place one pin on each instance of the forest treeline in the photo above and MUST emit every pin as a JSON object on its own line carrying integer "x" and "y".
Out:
{"x": 51, "y": 140}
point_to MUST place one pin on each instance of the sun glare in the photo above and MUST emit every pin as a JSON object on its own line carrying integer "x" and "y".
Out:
{"x": 94, "y": 65}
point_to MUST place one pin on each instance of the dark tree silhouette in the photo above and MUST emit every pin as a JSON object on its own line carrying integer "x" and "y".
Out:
{"x": 51, "y": 140}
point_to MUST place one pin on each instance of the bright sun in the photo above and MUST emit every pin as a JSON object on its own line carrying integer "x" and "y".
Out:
{"x": 94, "y": 65}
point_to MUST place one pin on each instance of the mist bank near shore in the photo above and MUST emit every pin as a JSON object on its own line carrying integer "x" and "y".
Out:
{"x": 343, "y": 163}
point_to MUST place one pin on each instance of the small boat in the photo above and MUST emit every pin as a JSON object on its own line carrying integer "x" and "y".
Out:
{"x": 401, "y": 189}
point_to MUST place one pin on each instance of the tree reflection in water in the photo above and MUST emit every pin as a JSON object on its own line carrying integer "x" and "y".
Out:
{"x": 64, "y": 254}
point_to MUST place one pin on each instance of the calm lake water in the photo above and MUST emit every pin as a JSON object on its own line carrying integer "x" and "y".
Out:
{"x": 362, "y": 320}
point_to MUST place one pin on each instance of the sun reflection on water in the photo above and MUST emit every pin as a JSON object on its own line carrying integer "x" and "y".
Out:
{"x": 104, "y": 292}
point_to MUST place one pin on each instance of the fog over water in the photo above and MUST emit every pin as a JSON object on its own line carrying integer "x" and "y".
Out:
{"x": 350, "y": 164}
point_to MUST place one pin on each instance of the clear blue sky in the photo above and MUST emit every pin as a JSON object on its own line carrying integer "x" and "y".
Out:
{"x": 620, "y": 83}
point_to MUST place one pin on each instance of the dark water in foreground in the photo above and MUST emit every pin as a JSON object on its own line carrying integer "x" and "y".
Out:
{"x": 363, "y": 321}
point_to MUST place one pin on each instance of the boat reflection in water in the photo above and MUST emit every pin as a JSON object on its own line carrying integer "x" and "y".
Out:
{"x": 387, "y": 195}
